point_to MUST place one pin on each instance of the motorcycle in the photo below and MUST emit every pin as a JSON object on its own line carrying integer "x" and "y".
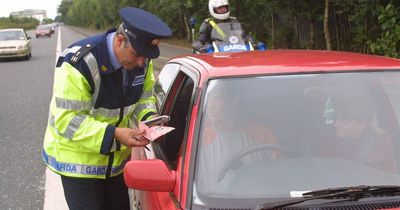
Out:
{"x": 228, "y": 37}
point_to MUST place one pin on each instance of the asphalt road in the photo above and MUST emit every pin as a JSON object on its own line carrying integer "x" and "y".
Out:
{"x": 25, "y": 92}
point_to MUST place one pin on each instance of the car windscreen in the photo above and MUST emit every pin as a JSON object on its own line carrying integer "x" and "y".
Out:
{"x": 43, "y": 27}
{"x": 11, "y": 35}
{"x": 269, "y": 137}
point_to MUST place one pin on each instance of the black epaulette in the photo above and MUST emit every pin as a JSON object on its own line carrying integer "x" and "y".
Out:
{"x": 80, "y": 53}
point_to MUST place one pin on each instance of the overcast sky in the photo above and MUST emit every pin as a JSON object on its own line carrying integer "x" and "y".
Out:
{"x": 18, "y": 5}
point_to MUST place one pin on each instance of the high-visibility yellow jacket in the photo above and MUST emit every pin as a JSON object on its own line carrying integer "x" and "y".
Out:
{"x": 90, "y": 99}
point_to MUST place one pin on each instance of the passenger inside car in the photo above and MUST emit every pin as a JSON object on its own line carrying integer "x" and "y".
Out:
{"x": 359, "y": 136}
{"x": 355, "y": 133}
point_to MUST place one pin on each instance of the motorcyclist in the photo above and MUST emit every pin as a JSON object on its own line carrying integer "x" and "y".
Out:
{"x": 219, "y": 10}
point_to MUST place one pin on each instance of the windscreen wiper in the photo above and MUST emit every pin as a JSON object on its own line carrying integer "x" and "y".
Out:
{"x": 353, "y": 193}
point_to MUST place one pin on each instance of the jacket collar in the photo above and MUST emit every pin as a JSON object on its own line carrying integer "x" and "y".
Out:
{"x": 104, "y": 59}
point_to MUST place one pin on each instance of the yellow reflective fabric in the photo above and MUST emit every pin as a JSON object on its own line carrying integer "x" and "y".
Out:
{"x": 217, "y": 28}
{"x": 63, "y": 159}
{"x": 75, "y": 132}
{"x": 79, "y": 154}
{"x": 67, "y": 87}
{"x": 145, "y": 100}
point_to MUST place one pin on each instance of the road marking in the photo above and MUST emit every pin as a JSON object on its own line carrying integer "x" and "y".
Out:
{"x": 163, "y": 58}
{"x": 54, "y": 193}
{"x": 58, "y": 48}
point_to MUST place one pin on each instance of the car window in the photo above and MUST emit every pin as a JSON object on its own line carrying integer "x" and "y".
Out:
{"x": 177, "y": 107}
{"x": 164, "y": 82}
{"x": 317, "y": 131}
{"x": 21, "y": 35}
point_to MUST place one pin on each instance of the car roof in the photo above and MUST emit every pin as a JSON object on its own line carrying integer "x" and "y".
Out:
{"x": 42, "y": 26}
{"x": 12, "y": 29}
{"x": 288, "y": 61}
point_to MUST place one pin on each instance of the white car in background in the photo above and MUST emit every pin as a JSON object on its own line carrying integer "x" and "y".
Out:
{"x": 15, "y": 43}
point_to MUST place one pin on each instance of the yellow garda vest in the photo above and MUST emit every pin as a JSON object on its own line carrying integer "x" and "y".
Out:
{"x": 76, "y": 130}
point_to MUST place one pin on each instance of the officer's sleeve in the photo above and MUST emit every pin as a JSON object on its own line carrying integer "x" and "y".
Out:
{"x": 146, "y": 106}
{"x": 70, "y": 111}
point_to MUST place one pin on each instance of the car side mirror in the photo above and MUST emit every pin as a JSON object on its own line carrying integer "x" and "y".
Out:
{"x": 149, "y": 175}
{"x": 29, "y": 37}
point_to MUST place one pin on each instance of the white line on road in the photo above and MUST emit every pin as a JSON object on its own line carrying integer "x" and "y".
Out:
{"x": 163, "y": 58}
{"x": 54, "y": 193}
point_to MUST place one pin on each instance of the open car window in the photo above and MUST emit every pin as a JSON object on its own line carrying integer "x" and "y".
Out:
{"x": 177, "y": 106}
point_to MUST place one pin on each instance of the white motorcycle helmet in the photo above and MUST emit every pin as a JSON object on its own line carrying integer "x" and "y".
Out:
{"x": 214, "y": 4}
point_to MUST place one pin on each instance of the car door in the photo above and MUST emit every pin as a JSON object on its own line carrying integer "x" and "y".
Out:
{"x": 175, "y": 92}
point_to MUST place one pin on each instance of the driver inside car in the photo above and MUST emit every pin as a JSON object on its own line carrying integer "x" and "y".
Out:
{"x": 226, "y": 132}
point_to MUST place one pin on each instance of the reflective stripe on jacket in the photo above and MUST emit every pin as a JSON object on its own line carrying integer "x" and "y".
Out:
{"x": 90, "y": 99}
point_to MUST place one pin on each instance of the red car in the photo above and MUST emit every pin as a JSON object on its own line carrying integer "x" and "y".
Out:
{"x": 273, "y": 129}
{"x": 43, "y": 31}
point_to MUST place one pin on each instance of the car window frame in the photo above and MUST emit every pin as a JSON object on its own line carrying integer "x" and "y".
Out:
{"x": 185, "y": 72}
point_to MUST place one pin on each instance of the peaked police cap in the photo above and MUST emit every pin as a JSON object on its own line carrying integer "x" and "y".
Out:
{"x": 144, "y": 30}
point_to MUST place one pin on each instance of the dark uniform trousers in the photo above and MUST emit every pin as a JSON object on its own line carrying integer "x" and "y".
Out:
{"x": 96, "y": 194}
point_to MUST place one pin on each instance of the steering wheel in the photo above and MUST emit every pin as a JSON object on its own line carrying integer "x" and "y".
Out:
{"x": 235, "y": 162}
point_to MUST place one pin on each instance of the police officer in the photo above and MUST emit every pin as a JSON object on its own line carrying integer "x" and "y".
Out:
{"x": 219, "y": 10}
{"x": 103, "y": 86}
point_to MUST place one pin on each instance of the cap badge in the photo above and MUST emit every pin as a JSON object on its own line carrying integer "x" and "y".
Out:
{"x": 155, "y": 42}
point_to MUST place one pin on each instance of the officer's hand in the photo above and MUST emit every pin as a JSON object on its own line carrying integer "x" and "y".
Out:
{"x": 140, "y": 140}
{"x": 131, "y": 137}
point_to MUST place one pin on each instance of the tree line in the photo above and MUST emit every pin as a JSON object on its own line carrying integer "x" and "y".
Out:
{"x": 25, "y": 23}
{"x": 366, "y": 26}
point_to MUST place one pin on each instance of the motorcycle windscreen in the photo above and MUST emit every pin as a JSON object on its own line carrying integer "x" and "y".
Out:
{"x": 227, "y": 37}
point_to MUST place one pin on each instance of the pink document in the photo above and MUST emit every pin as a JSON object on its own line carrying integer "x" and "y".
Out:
{"x": 153, "y": 132}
